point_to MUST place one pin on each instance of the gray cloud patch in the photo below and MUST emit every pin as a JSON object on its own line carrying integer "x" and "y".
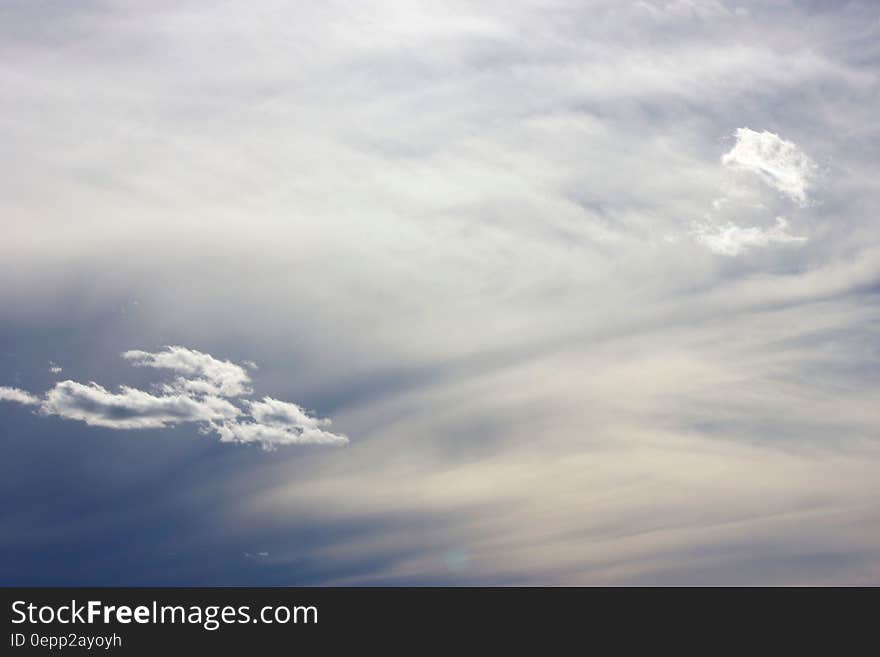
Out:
{"x": 732, "y": 240}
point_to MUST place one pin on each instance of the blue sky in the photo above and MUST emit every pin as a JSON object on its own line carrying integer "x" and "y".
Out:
{"x": 440, "y": 293}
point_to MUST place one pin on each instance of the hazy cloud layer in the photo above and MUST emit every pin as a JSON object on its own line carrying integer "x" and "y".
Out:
{"x": 592, "y": 283}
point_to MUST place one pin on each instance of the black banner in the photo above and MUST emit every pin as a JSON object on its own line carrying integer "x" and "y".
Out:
{"x": 278, "y": 620}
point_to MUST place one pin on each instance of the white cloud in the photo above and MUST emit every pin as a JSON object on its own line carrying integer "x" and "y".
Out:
{"x": 54, "y": 368}
{"x": 278, "y": 422}
{"x": 731, "y": 240}
{"x": 430, "y": 202}
{"x": 131, "y": 408}
{"x": 779, "y": 163}
{"x": 204, "y": 373}
{"x": 272, "y": 436}
{"x": 284, "y": 414}
{"x": 776, "y": 162}
{"x": 18, "y": 396}
{"x": 270, "y": 422}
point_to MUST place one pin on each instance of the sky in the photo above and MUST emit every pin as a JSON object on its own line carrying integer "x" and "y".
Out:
{"x": 440, "y": 293}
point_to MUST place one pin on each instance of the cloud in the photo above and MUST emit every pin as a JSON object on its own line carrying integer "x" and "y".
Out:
{"x": 204, "y": 373}
{"x": 278, "y": 422}
{"x": 131, "y": 408}
{"x": 412, "y": 229}
{"x": 18, "y": 396}
{"x": 55, "y": 369}
{"x": 283, "y": 414}
{"x": 731, "y": 240}
{"x": 203, "y": 400}
{"x": 779, "y": 163}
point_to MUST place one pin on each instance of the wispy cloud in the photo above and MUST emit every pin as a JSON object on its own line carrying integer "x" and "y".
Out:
{"x": 730, "y": 239}
{"x": 18, "y": 396}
